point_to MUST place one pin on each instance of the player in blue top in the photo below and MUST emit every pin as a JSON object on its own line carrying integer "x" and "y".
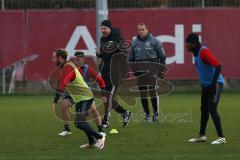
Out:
{"x": 209, "y": 72}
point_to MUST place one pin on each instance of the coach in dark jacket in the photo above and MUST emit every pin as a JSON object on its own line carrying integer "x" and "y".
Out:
{"x": 146, "y": 48}
{"x": 109, "y": 45}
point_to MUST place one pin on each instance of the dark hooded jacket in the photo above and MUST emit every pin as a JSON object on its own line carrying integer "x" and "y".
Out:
{"x": 108, "y": 47}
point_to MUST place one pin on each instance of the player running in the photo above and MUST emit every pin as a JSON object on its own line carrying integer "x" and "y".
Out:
{"x": 88, "y": 74}
{"x": 209, "y": 71}
{"x": 72, "y": 81}
{"x": 110, "y": 37}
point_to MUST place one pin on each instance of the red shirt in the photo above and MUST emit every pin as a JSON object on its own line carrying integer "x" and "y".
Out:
{"x": 208, "y": 58}
{"x": 69, "y": 75}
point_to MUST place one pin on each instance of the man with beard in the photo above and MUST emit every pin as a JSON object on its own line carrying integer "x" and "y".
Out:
{"x": 209, "y": 71}
{"x": 72, "y": 81}
{"x": 88, "y": 74}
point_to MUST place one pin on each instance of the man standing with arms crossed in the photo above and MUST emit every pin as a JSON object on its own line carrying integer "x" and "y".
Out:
{"x": 110, "y": 38}
{"x": 147, "y": 49}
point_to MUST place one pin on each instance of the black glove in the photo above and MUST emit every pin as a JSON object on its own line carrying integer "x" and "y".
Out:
{"x": 215, "y": 77}
{"x": 213, "y": 88}
{"x": 56, "y": 98}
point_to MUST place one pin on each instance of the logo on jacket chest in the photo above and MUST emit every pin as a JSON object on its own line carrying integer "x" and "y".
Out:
{"x": 143, "y": 46}
{"x": 148, "y": 45}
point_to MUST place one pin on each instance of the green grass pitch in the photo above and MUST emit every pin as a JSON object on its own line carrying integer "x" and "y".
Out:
{"x": 29, "y": 131}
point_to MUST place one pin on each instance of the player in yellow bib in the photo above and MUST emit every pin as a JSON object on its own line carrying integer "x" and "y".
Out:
{"x": 77, "y": 88}
{"x": 72, "y": 81}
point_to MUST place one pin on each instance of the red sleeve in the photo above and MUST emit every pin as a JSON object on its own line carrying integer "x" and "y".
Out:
{"x": 92, "y": 74}
{"x": 68, "y": 75}
{"x": 208, "y": 58}
{"x": 80, "y": 70}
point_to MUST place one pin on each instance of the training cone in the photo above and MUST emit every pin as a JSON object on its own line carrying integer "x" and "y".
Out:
{"x": 113, "y": 131}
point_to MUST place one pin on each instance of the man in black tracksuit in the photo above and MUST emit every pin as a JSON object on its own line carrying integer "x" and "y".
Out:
{"x": 108, "y": 47}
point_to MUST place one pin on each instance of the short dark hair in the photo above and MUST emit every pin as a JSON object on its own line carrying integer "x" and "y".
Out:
{"x": 143, "y": 24}
{"x": 193, "y": 38}
{"x": 61, "y": 53}
{"x": 79, "y": 54}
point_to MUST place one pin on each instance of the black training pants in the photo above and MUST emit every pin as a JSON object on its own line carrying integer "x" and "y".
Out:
{"x": 209, "y": 104}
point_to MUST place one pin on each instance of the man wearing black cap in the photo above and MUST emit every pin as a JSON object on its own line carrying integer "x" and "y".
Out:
{"x": 108, "y": 47}
{"x": 209, "y": 72}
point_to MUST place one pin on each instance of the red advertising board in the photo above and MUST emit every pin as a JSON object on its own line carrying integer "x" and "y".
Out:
{"x": 40, "y": 32}
{"x": 12, "y": 37}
